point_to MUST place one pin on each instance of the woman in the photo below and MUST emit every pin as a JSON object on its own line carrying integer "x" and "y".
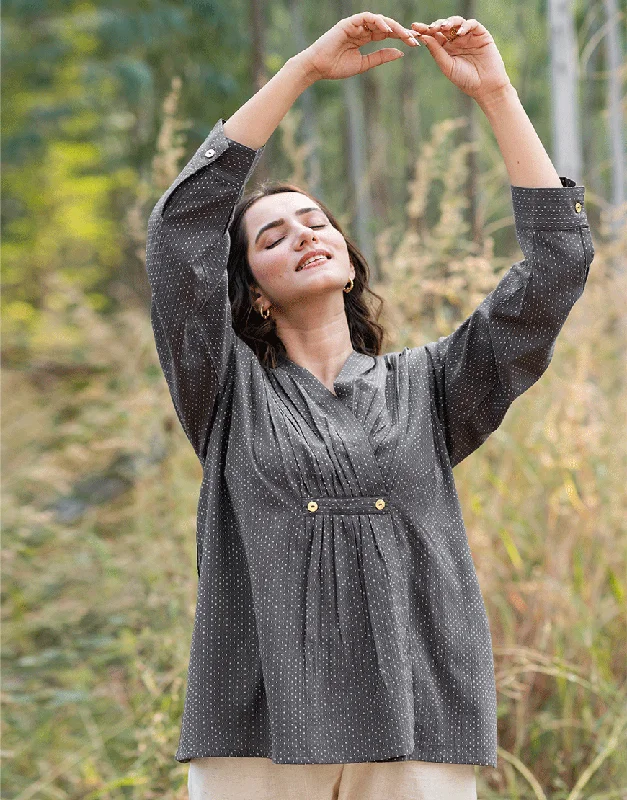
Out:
{"x": 341, "y": 646}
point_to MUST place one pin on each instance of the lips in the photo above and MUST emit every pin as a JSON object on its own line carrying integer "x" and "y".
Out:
{"x": 312, "y": 254}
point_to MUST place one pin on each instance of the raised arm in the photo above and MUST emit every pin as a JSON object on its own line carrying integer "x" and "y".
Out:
{"x": 186, "y": 256}
{"x": 187, "y": 253}
{"x": 504, "y": 346}
{"x": 502, "y": 349}
{"x": 188, "y": 239}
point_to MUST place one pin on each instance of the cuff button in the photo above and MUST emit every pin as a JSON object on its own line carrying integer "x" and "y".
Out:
{"x": 210, "y": 153}
{"x": 578, "y": 207}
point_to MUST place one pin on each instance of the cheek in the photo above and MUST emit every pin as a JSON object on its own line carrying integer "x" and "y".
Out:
{"x": 339, "y": 242}
{"x": 271, "y": 267}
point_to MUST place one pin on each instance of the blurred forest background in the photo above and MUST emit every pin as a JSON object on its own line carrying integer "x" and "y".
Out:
{"x": 102, "y": 106}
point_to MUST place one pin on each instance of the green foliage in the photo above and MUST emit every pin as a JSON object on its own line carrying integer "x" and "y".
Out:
{"x": 101, "y": 108}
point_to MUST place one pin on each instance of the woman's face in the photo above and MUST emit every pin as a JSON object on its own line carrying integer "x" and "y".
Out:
{"x": 282, "y": 229}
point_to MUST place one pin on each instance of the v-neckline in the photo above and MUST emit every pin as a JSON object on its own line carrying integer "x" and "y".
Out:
{"x": 354, "y": 361}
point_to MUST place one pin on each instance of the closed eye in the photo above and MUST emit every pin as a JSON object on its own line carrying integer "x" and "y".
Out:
{"x": 270, "y": 246}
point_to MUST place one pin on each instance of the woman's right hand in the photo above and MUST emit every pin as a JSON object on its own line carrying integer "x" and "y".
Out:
{"x": 336, "y": 53}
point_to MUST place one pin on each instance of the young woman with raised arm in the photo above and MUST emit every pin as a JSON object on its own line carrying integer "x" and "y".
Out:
{"x": 341, "y": 647}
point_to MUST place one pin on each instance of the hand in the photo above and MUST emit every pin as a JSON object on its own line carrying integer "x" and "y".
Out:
{"x": 466, "y": 53}
{"x": 336, "y": 53}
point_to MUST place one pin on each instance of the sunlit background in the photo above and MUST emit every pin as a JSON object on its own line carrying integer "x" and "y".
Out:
{"x": 102, "y": 106}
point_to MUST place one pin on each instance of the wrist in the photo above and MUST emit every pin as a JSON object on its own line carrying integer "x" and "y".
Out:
{"x": 305, "y": 74}
{"x": 494, "y": 100}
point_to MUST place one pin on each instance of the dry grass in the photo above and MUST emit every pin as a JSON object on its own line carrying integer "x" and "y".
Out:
{"x": 98, "y": 611}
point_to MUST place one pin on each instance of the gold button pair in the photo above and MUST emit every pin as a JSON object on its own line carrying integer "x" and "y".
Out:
{"x": 578, "y": 207}
{"x": 313, "y": 506}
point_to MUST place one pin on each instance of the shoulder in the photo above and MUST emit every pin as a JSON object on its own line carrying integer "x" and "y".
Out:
{"x": 409, "y": 358}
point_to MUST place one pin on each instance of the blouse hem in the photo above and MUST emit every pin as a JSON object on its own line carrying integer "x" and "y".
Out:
{"x": 377, "y": 757}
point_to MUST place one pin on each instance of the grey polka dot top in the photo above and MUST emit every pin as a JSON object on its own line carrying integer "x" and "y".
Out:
{"x": 339, "y": 617}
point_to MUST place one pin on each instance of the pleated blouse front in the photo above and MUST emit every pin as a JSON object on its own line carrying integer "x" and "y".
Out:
{"x": 339, "y": 618}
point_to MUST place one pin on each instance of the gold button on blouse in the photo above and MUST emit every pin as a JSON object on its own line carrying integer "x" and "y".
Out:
{"x": 312, "y": 505}
{"x": 578, "y": 207}
{"x": 380, "y": 503}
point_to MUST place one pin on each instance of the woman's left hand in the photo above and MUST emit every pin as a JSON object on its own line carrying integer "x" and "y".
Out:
{"x": 470, "y": 59}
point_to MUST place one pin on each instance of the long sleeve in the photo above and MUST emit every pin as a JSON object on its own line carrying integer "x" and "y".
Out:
{"x": 507, "y": 343}
{"x": 186, "y": 256}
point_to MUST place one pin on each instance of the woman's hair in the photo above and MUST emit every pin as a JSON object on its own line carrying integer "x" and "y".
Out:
{"x": 259, "y": 333}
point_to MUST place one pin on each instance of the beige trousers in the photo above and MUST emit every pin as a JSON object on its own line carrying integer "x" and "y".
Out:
{"x": 261, "y": 779}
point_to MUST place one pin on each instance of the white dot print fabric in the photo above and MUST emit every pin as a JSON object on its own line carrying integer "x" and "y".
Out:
{"x": 339, "y": 618}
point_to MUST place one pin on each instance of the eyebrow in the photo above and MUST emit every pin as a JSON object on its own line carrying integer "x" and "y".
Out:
{"x": 281, "y": 221}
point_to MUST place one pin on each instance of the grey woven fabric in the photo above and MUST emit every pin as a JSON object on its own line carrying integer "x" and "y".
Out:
{"x": 339, "y": 618}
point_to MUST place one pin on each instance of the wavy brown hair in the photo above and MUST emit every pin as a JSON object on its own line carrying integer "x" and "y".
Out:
{"x": 259, "y": 333}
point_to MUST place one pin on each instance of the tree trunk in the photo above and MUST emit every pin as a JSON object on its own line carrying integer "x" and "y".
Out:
{"x": 310, "y": 120}
{"x": 377, "y": 116}
{"x": 258, "y": 77}
{"x": 593, "y": 145}
{"x": 410, "y": 110}
{"x": 616, "y": 123}
{"x": 469, "y": 110}
{"x": 357, "y": 160}
{"x": 564, "y": 98}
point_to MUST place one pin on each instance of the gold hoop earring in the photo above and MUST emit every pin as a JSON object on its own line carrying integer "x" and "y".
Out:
{"x": 266, "y": 314}
{"x": 350, "y": 281}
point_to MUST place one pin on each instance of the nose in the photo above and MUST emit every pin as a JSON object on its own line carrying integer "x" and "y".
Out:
{"x": 306, "y": 235}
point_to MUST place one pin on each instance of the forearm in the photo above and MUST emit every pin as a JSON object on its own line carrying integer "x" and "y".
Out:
{"x": 526, "y": 160}
{"x": 255, "y": 122}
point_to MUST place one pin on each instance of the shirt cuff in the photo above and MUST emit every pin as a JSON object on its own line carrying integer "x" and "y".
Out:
{"x": 237, "y": 158}
{"x": 237, "y": 163}
{"x": 550, "y": 206}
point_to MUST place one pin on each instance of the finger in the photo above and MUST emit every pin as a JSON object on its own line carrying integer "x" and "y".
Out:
{"x": 443, "y": 33}
{"x": 371, "y": 22}
{"x": 440, "y": 56}
{"x": 444, "y": 25}
{"x": 465, "y": 26}
{"x": 366, "y": 20}
{"x": 439, "y": 26}
{"x": 451, "y": 22}
{"x": 439, "y": 37}
{"x": 398, "y": 29}
{"x": 453, "y": 27}
{"x": 423, "y": 29}
{"x": 376, "y": 23}
{"x": 474, "y": 26}
{"x": 381, "y": 23}
{"x": 379, "y": 57}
